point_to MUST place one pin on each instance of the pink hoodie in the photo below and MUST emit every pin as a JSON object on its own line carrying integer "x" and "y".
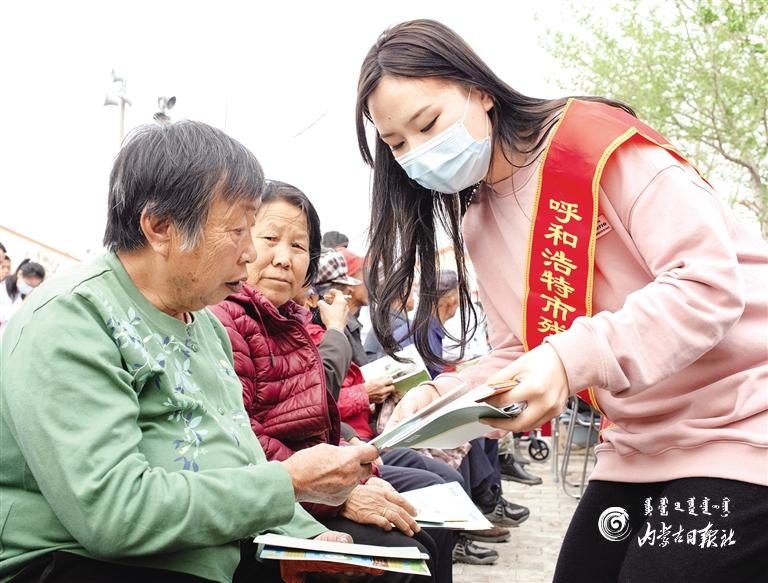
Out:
{"x": 678, "y": 346}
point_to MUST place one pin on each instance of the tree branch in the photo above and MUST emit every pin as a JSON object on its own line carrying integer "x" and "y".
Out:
{"x": 765, "y": 121}
{"x": 688, "y": 36}
{"x": 693, "y": 121}
{"x": 750, "y": 205}
{"x": 751, "y": 167}
{"x": 695, "y": 109}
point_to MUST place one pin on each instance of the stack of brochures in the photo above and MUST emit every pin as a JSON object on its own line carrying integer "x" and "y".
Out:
{"x": 446, "y": 506}
{"x": 408, "y": 560}
{"x": 450, "y": 421}
{"x": 405, "y": 375}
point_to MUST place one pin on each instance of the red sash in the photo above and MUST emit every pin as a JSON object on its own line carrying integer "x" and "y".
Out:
{"x": 559, "y": 273}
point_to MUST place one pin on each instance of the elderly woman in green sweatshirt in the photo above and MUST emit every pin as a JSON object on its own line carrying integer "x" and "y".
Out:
{"x": 125, "y": 451}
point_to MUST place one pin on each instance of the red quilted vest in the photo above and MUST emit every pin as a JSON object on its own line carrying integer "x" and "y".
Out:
{"x": 281, "y": 372}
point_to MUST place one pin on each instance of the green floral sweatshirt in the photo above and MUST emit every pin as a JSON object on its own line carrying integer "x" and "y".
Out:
{"x": 123, "y": 435}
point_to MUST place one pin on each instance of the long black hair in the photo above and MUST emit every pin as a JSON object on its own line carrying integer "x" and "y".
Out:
{"x": 276, "y": 190}
{"x": 404, "y": 215}
{"x": 27, "y": 268}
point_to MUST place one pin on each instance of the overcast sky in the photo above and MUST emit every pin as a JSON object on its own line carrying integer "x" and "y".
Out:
{"x": 278, "y": 76}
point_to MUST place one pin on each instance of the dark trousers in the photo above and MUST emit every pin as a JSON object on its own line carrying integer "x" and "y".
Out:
{"x": 481, "y": 471}
{"x": 407, "y": 458}
{"x": 404, "y": 479}
{"x": 367, "y": 534}
{"x": 62, "y": 567}
{"x": 705, "y": 530}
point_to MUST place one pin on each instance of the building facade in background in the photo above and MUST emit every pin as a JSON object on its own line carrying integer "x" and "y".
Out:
{"x": 20, "y": 247}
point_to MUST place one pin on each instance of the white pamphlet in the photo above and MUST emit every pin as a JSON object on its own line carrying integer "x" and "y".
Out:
{"x": 446, "y": 506}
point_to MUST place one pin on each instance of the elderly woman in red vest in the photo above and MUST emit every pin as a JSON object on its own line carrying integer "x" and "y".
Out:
{"x": 282, "y": 372}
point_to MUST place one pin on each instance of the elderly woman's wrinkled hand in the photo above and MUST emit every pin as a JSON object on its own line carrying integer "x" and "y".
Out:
{"x": 327, "y": 474}
{"x": 378, "y": 461}
{"x": 334, "y": 536}
{"x": 375, "y": 482}
{"x": 382, "y": 507}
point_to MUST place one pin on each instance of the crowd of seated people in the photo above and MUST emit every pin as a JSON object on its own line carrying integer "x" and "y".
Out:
{"x": 202, "y": 385}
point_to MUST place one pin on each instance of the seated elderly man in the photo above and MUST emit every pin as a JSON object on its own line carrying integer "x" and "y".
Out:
{"x": 125, "y": 450}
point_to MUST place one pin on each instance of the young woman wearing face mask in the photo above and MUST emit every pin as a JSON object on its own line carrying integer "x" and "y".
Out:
{"x": 607, "y": 267}
{"x": 15, "y": 288}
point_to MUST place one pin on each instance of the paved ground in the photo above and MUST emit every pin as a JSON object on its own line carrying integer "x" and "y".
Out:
{"x": 531, "y": 553}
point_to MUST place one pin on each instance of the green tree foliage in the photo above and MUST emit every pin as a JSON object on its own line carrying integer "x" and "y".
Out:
{"x": 694, "y": 70}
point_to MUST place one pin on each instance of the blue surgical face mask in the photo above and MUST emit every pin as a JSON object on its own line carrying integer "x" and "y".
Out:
{"x": 24, "y": 288}
{"x": 451, "y": 161}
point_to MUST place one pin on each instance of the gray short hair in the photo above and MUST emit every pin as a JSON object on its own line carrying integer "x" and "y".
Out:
{"x": 175, "y": 171}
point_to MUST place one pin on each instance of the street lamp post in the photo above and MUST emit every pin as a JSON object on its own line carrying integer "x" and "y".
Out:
{"x": 118, "y": 97}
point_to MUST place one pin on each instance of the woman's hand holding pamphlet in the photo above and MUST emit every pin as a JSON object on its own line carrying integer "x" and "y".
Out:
{"x": 451, "y": 420}
{"x": 405, "y": 375}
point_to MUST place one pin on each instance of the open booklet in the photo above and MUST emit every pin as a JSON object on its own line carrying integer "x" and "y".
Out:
{"x": 446, "y": 506}
{"x": 405, "y": 375}
{"x": 399, "y": 559}
{"x": 451, "y": 420}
